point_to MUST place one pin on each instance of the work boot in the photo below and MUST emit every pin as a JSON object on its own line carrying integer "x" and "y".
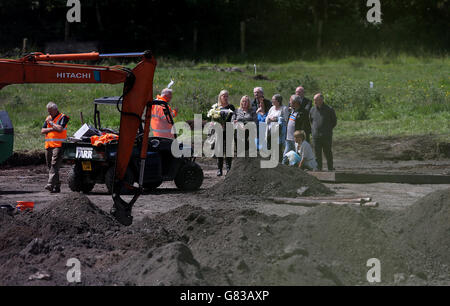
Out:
{"x": 48, "y": 187}
{"x": 219, "y": 172}
{"x": 56, "y": 190}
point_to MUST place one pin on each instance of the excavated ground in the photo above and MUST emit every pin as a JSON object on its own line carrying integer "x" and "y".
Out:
{"x": 189, "y": 245}
{"x": 230, "y": 232}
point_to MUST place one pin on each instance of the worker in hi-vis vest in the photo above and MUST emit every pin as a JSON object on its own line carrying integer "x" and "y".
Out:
{"x": 55, "y": 131}
{"x": 160, "y": 125}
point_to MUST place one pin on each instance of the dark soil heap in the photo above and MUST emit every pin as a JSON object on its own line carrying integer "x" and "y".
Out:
{"x": 329, "y": 245}
{"x": 426, "y": 225}
{"x": 248, "y": 178}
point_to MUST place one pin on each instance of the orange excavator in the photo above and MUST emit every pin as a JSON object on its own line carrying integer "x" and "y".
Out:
{"x": 137, "y": 96}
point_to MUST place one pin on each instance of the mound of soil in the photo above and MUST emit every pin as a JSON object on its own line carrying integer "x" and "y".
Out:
{"x": 426, "y": 225}
{"x": 395, "y": 148}
{"x": 24, "y": 158}
{"x": 246, "y": 177}
{"x": 329, "y": 245}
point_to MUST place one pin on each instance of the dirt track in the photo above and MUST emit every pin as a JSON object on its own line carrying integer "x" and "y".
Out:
{"x": 196, "y": 238}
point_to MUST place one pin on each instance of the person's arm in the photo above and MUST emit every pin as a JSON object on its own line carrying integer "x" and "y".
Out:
{"x": 53, "y": 126}
{"x": 57, "y": 127}
{"x": 44, "y": 129}
{"x": 285, "y": 114}
{"x": 62, "y": 126}
{"x": 173, "y": 111}
{"x": 234, "y": 117}
{"x": 269, "y": 113}
{"x": 333, "y": 118}
{"x": 300, "y": 164}
{"x": 254, "y": 117}
{"x": 301, "y": 153}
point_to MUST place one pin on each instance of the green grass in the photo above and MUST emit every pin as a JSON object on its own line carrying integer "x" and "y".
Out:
{"x": 411, "y": 96}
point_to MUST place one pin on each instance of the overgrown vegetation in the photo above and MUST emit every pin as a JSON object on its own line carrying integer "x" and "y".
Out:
{"x": 410, "y": 96}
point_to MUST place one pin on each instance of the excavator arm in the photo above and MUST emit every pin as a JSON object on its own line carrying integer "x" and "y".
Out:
{"x": 137, "y": 95}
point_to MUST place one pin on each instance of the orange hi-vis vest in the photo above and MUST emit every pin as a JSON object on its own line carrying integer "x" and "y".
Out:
{"x": 54, "y": 139}
{"x": 160, "y": 126}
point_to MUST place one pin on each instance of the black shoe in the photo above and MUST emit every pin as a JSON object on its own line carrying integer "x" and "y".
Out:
{"x": 48, "y": 187}
{"x": 56, "y": 190}
{"x": 228, "y": 169}
{"x": 219, "y": 172}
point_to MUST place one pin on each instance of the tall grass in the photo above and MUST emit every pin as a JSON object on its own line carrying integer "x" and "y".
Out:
{"x": 411, "y": 96}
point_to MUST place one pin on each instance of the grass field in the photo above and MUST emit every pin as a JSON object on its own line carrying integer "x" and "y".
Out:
{"x": 411, "y": 96}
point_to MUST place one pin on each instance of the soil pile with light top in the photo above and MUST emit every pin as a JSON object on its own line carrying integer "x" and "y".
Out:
{"x": 247, "y": 177}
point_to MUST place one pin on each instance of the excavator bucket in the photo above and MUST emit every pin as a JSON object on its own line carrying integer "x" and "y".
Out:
{"x": 138, "y": 93}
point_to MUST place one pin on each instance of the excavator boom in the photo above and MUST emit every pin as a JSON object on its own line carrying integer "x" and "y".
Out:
{"x": 38, "y": 68}
{"x": 137, "y": 95}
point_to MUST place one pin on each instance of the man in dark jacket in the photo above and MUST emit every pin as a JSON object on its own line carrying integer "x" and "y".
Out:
{"x": 305, "y": 106}
{"x": 258, "y": 93}
{"x": 323, "y": 120}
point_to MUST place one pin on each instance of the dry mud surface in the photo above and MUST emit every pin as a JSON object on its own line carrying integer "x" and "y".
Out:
{"x": 230, "y": 233}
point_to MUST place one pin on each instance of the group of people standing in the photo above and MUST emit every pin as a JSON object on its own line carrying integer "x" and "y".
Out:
{"x": 297, "y": 124}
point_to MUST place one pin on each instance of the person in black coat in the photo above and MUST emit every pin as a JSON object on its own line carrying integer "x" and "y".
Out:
{"x": 222, "y": 113}
{"x": 305, "y": 106}
{"x": 323, "y": 121}
{"x": 258, "y": 93}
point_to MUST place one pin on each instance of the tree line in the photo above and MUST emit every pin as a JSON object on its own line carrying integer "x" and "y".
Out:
{"x": 237, "y": 28}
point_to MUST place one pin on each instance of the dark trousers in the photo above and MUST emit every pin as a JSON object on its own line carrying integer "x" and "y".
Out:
{"x": 227, "y": 159}
{"x": 323, "y": 144}
{"x": 280, "y": 147}
{"x": 220, "y": 162}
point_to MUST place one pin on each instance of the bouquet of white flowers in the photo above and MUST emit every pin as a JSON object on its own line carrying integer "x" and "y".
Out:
{"x": 215, "y": 113}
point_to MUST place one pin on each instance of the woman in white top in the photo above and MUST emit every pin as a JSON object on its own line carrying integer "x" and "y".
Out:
{"x": 278, "y": 114}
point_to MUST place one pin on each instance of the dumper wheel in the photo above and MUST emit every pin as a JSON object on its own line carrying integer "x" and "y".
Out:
{"x": 189, "y": 177}
{"x": 77, "y": 181}
{"x": 109, "y": 180}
